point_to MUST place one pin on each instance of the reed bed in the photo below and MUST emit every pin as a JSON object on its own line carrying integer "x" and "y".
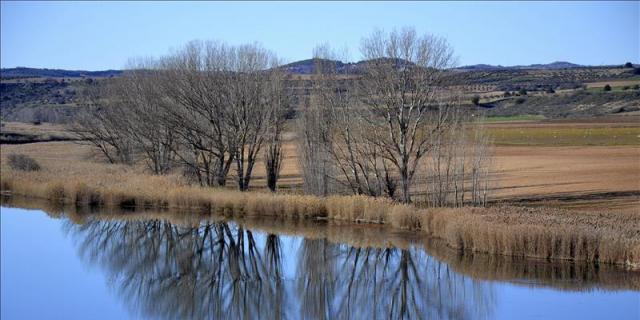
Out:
{"x": 542, "y": 233}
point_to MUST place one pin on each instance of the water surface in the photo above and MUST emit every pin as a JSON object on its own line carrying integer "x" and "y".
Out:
{"x": 145, "y": 266}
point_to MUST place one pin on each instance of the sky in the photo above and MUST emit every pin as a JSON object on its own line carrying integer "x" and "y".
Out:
{"x": 105, "y": 35}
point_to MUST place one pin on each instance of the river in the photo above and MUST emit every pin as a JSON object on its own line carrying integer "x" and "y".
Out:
{"x": 106, "y": 265}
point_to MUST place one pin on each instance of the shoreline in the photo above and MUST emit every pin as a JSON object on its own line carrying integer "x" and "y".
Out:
{"x": 523, "y": 232}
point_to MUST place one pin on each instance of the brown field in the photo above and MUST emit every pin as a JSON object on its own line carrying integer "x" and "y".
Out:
{"x": 570, "y": 174}
{"x": 580, "y": 177}
{"x": 44, "y": 129}
{"x": 600, "y": 177}
{"x": 613, "y": 83}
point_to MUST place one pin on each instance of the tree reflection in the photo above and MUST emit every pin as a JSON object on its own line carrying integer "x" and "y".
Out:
{"x": 223, "y": 271}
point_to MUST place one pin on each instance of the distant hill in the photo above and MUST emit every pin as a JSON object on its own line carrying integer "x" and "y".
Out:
{"x": 22, "y": 72}
{"x": 307, "y": 66}
{"x": 549, "y": 66}
{"x": 53, "y": 95}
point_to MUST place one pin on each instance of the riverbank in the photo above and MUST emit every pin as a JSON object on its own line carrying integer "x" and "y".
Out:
{"x": 542, "y": 233}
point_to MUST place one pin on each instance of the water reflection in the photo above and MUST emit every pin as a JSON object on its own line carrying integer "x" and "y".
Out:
{"x": 222, "y": 270}
{"x": 167, "y": 265}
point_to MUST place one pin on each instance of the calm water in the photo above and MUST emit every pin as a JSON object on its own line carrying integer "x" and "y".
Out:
{"x": 102, "y": 267}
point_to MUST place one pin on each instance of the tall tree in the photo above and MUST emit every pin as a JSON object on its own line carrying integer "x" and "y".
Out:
{"x": 402, "y": 88}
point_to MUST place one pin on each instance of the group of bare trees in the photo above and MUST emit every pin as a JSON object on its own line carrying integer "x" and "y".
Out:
{"x": 208, "y": 107}
{"x": 396, "y": 128}
{"x": 373, "y": 134}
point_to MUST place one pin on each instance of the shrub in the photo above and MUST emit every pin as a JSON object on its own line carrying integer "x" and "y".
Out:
{"x": 628, "y": 65}
{"x": 636, "y": 87}
{"x": 607, "y": 88}
{"x": 522, "y": 91}
{"x": 475, "y": 100}
{"x": 626, "y": 88}
{"x": 520, "y": 100}
{"x": 23, "y": 162}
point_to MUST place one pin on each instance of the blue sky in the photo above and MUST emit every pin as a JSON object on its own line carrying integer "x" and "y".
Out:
{"x": 95, "y": 36}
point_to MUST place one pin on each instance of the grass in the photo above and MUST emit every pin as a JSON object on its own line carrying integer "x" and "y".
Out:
{"x": 524, "y": 117}
{"x": 613, "y": 89}
{"x": 550, "y": 136}
{"x": 513, "y": 231}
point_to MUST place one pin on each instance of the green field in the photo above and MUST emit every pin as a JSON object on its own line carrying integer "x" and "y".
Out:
{"x": 523, "y": 117}
{"x": 566, "y": 136}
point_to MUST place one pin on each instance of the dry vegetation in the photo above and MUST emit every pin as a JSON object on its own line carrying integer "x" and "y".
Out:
{"x": 515, "y": 231}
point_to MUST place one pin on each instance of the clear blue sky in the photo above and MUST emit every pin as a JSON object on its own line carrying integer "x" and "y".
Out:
{"x": 96, "y": 36}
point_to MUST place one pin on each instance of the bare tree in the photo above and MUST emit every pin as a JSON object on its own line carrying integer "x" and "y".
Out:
{"x": 103, "y": 125}
{"x": 255, "y": 104}
{"x": 225, "y": 99}
{"x": 144, "y": 105}
{"x": 402, "y": 90}
{"x": 194, "y": 79}
{"x": 348, "y": 138}
{"x": 280, "y": 106}
{"x": 314, "y": 160}
{"x": 125, "y": 119}
{"x": 458, "y": 165}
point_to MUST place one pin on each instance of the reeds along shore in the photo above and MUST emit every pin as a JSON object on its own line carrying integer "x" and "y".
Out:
{"x": 513, "y": 231}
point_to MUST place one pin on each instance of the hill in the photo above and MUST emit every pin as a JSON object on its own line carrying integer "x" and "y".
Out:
{"x": 23, "y": 72}
{"x": 549, "y": 66}
{"x": 55, "y": 95}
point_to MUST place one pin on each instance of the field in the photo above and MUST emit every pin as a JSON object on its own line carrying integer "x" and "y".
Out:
{"x": 586, "y": 164}
{"x": 565, "y": 136}
{"x": 524, "y": 117}
{"x": 614, "y": 83}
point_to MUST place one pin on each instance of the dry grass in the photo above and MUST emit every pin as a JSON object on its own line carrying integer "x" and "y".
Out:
{"x": 540, "y": 233}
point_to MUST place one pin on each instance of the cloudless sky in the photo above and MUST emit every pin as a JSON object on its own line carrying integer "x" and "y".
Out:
{"x": 104, "y": 35}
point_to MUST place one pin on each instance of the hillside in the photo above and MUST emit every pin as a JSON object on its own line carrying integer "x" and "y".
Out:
{"x": 22, "y": 72}
{"x": 54, "y": 95}
{"x": 549, "y": 66}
